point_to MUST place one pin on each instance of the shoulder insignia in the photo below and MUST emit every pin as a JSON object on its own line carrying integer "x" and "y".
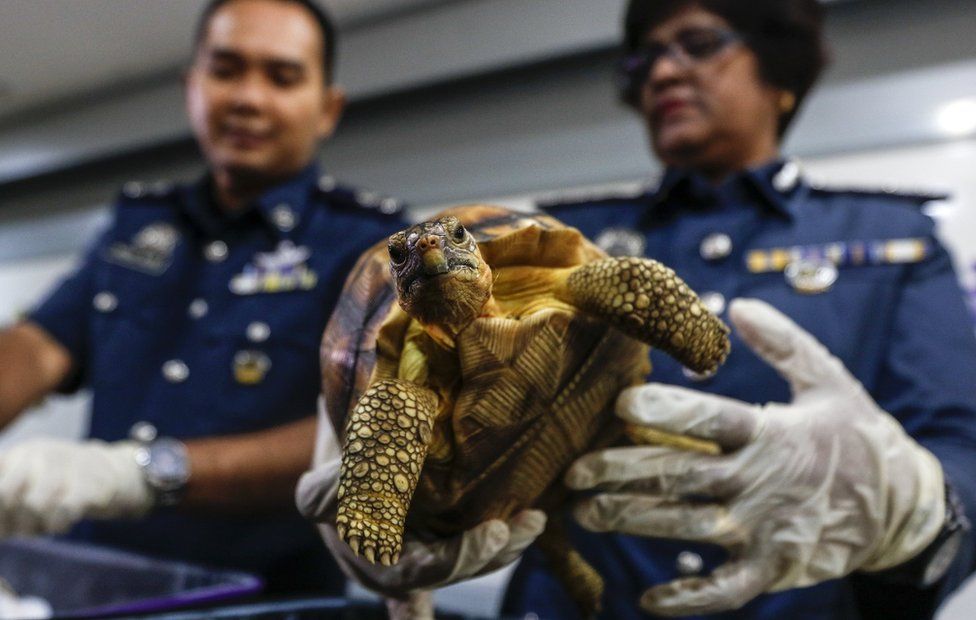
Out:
{"x": 591, "y": 195}
{"x": 140, "y": 190}
{"x": 915, "y": 196}
{"x": 349, "y": 197}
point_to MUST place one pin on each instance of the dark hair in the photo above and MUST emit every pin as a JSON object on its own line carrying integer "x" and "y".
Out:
{"x": 785, "y": 35}
{"x": 321, "y": 18}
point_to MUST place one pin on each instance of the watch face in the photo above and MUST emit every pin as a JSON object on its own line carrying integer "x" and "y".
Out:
{"x": 168, "y": 468}
{"x": 942, "y": 559}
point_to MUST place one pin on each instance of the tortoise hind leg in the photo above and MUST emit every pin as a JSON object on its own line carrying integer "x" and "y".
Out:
{"x": 649, "y": 302}
{"x": 582, "y": 582}
{"x": 387, "y": 436}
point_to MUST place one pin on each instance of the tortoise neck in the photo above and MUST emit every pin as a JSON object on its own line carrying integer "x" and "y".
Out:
{"x": 446, "y": 333}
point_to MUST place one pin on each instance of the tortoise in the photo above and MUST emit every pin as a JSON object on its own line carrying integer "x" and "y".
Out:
{"x": 498, "y": 366}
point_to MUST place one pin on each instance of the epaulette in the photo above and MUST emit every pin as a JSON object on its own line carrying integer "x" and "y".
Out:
{"x": 915, "y": 196}
{"x": 351, "y": 198}
{"x": 140, "y": 190}
{"x": 592, "y": 195}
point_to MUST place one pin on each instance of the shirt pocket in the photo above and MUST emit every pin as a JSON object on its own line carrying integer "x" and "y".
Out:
{"x": 265, "y": 363}
{"x": 852, "y": 318}
{"x": 129, "y": 323}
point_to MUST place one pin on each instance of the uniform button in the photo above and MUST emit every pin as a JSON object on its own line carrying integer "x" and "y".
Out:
{"x": 258, "y": 331}
{"x": 105, "y": 302}
{"x": 369, "y": 199}
{"x": 327, "y": 183}
{"x": 715, "y": 302}
{"x": 216, "y": 251}
{"x": 143, "y": 432}
{"x": 617, "y": 241}
{"x": 198, "y": 308}
{"x": 389, "y": 206}
{"x": 134, "y": 189}
{"x": 175, "y": 371}
{"x": 715, "y": 246}
{"x": 283, "y": 217}
{"x": 689, "y": 563}
{"x": 695, "y": 376}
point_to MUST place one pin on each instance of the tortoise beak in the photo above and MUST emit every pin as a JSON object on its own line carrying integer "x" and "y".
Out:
{"x": 431, "y": 249}
{"x": 434, "y": 262}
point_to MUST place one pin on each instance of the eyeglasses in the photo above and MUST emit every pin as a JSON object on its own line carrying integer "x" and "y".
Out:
{"x": 689, "y": 48}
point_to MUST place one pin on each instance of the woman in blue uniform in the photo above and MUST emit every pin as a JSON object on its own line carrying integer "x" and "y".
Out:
{"x": 847, "y": 418}
{"x": 848, "y": 429}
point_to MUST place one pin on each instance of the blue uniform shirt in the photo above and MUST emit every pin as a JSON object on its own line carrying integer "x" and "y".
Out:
{"x": 895, "y": 315}
{"x": 208, "y": 325}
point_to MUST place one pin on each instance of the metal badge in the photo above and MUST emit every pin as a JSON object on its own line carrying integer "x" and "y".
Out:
{"x": 250, "y": 367}
{"x": 811, "y": 277}
{"x": 620, "y": 241}
{"x": 281, "y": 271}
{"x": 149, "y": 251}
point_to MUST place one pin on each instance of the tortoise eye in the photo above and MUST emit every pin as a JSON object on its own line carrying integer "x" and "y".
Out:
{"x": 397, "y": 253}
{"x": 460, "y": 234}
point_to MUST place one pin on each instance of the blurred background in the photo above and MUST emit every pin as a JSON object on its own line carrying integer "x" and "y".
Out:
{"x": 451, "y": 101}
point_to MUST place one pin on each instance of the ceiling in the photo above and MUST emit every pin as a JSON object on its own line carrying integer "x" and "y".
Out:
{"x": 52, "y": 49}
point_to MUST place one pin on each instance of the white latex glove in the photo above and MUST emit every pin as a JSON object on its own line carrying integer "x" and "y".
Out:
{"x": 14, "y": 607}
{"x": 487, "y": 547}
{"x": 804, "y": 492}
{"x": 47, "y": 485}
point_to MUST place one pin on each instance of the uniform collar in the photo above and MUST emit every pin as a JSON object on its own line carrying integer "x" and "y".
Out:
{"x": 772, "y": 185}
{"x": 282, "y": 207}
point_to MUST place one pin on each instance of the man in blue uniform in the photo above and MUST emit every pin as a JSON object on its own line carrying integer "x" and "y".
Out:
{"x": 196, "y": 318}
{"x": 838, "y": 491}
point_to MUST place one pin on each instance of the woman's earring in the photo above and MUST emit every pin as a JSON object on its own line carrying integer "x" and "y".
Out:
{"x": 787, "y": 102}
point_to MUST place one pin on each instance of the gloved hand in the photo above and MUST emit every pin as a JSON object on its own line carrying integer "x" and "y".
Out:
{"x": 423, "y": 565}
{"x": 804, "y": 492}
{"x": 47, "y": 485}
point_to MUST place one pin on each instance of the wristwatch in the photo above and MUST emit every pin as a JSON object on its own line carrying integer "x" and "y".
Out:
{"x": 164, "y": 463}
{"x": 931, "y": 565}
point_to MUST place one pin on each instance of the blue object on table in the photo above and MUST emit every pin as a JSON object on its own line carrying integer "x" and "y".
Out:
{"x": 80, "y": 580}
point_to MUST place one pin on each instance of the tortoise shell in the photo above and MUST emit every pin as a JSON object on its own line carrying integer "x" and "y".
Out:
{"x": 533, "y": 394}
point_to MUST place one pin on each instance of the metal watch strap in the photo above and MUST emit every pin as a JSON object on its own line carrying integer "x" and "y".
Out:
{"x": 931, "y": 565}
{"x": 167, "y": 482}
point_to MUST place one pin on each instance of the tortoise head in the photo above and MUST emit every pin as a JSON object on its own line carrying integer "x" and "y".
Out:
{"x": 441, "y": 278}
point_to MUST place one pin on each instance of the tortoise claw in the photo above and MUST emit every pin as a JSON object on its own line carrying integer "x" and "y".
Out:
{"x": 385, "y": 559}
{"x": 354, "y": 544}
{"x": 370, "y": 554}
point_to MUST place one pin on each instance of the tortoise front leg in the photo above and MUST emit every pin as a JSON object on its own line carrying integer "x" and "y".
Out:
{"x": 387, "y": 436}
{"x": 649, "y": 302}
